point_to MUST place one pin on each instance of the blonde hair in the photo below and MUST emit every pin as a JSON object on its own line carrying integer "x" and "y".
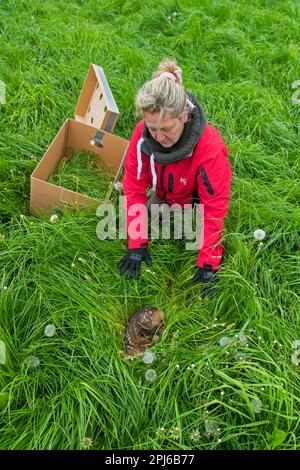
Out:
{"x": 164, "y": 92}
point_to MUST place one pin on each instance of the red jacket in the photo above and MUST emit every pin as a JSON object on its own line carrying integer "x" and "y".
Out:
{"x": 207, "y": 171}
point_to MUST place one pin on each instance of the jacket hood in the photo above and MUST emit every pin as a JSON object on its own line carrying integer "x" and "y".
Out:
{"x": 193, "y": 129}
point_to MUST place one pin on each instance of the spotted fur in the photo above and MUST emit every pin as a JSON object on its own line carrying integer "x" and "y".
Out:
{"x": 144, "y": 328}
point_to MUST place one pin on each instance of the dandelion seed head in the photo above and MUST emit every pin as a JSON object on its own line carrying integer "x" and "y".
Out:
{"x": 2, "y": 353}
{"x": 225, "y": 341}
{"x": 240, "y": 356}
{"x": 150, "y": 375}
{"x": 211, "y": 427}
{"x": 296, "y": 357}
{"x": 149, "y": 357}
{"x": 259, "y": 234}
{"x": 243, "y": 338}
{"x": 256, "y": 405}
{"x": 53, "y": 218}
{"x": 118, "y": 186}
{"x": 50, "y": 330}
{"x": 32, "y": 362}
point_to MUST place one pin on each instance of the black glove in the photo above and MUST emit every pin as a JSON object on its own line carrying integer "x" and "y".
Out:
{"x": 132, "y": 262}
{"x": 209, "y": 278}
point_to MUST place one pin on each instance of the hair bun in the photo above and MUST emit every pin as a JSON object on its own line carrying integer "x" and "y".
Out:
{"x": 170, "y": 69}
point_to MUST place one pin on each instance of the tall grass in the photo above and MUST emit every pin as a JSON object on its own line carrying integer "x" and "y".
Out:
{"x": 240, "y": 59}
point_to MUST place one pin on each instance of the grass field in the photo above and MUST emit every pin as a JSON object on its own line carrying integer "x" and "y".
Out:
{"x": 74, "y": 389}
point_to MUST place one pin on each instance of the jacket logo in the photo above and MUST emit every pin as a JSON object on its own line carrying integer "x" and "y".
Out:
{"x": 183, "y": 180}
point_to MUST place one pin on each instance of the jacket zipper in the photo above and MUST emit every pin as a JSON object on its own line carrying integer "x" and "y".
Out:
{"x": 206, "y": 182}
{"x": 162, "y": 174}
{"x": 171, "y": 182}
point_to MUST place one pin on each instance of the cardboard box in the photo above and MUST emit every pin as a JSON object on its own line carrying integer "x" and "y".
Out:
{"x": 95, "y": 117}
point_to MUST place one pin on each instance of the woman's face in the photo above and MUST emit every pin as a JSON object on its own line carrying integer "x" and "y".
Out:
{"x": 169, "y": 130}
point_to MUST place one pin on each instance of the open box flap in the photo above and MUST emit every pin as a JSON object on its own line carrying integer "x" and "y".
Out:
{"x": 96, "y": 105}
